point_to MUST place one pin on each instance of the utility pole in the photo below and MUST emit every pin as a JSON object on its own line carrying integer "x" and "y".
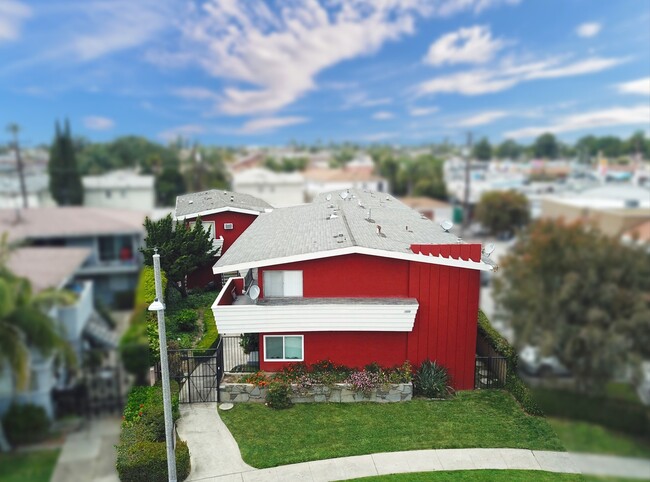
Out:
{"x": 14, "y": 128}
{"x": 468, "y": 156}
{"x": 159, "y": 308}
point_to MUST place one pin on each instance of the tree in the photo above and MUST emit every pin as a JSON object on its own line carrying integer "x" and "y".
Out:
{"x": 579, "y": 295}
{"x": 23, "y": 326}
{"x": 182, "y": 250}
{"x": 508, "y": 149}
{"x": 610, "y": 146}
{"x": 483, "y": 150}
{"x": 65, "y": 180}
{"x": 546, "y": 147}
{"x": 168, "y": 185}
{"x": 503, "y": 212}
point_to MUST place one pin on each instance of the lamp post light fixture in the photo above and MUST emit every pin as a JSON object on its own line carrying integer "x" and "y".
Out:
{"x": 159, "y": 308}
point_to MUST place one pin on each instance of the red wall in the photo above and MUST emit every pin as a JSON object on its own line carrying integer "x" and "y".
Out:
{"x": 240, "y": 221}
{"x": 445, "y": 325}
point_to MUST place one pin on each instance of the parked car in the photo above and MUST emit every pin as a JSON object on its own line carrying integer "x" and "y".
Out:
{"x": 534, "y": 364}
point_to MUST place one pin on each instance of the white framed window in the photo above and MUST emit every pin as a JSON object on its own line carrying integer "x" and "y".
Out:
{"x": 208, "y": 226}
{"x": 228, "y": 226}
{"x": 284, "y": 348}
{"x": 282, "y": 284}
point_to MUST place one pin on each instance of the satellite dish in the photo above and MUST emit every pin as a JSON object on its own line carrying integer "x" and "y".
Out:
{"x": 446, "y": 225}
{"x": 489, "y": 249}
{"x": 328, "y": 197}
{"x": 254, "y": 292}
{"x": 344, "y": 195}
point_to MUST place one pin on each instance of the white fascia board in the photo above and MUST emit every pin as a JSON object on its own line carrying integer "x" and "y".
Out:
{"x": 217, "y": 211}
{"x": 418, "y": 258}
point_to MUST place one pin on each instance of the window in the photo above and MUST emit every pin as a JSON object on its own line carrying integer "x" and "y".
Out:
{"x": 227, "y": 226}
{"x": 283, "y": 348}
{"x": 108, "y": 194}
{"x": 282, "y": 283}
{"x": 114, "y": 248}
{"x": 207, "y": 226}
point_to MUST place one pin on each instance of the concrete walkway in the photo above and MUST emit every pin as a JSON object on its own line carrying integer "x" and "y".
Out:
{"x": 215, "y": 457}
{"x": 89, "y": 454}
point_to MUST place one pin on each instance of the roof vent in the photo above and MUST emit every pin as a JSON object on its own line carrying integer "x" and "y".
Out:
{"x": 232, "y": 199}
{"x": 378, "y": 230}
{"x": 191, "y": 201}
{"x": 332, "y": 216}
{"x": 369, "y": 214}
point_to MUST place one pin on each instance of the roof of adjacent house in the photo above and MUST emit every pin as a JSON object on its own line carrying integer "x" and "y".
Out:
{"x": 341, "y": 174}
{"x": 423, "y": 202}
{"x": 331, "y": 223}
{"x": 118, "y": 180}
{"x": 62, "y": 222}
{"x": 47, "y": 267}
{"x": 214, "y": 200}
{"x": 640, "y": 233}
{"x": 262, "y": 175}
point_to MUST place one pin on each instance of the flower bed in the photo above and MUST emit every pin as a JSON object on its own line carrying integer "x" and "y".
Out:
{"x": 325, "y": 382}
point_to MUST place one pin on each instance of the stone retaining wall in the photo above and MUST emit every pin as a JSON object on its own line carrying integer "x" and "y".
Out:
{"x": 340, "y": 392}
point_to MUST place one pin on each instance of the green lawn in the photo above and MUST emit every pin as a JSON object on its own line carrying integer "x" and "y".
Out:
{"x": 32, "y": 466}
{"x": 488, "y": 476}
{"x": 488, "y": 418}
{"x": 588, "y": 437}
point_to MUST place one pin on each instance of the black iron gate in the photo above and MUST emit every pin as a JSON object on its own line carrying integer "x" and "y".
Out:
{"x": 197, "y": 372}
{"x": 490, "y": 372}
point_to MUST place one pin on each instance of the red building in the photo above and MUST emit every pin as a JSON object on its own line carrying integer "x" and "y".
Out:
{"x": 355, "y": 277}
{"x": 225, "y": 214}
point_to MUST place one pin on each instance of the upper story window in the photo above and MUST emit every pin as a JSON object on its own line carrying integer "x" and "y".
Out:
{"x": 282, "y": 283}
{"x": 208, "y": 226}
{"x": 115, "y": 248}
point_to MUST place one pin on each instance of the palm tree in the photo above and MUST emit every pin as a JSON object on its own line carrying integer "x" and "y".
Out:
{"x": 23, "y": 325}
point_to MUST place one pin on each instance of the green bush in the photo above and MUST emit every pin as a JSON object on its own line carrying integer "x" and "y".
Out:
{"x": 145, "y": 461}
{"x": 618, "y": 415}
{"x": 210, "y": 334}
{"x": 25, "y": 423}
{"x": 134, "y": 349}
{"x": 278, "y": 395}
{"x": 513, "y": 383}
{"x": 185, "y": 320}
{"x": 145, "y": 292}
{"x": 431, "y": 380}
{"x": 124, "y": 300}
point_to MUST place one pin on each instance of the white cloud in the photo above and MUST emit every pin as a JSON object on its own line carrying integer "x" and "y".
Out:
{"x": 98, "y": 123}
{"x": 509, "y": 73}
{"x": 184, "y": 131}
{"x": 472, "y": 45}
{"x": 614, "y": 116}
{"x": 268, "y": 124}
{"x": 588, "y": 29}
{"x": 422, "y": 111}
{"x": 383, "y": 115}
{"x": 482, "y": 118}
{"x": 378, "y": 136}
{"x": 195, "y": 93}
{"x": 12, "y": 16}
{"x": 272, "y": 57}
{"x": 639, "y": 87}
{"x": 361, "y": 99}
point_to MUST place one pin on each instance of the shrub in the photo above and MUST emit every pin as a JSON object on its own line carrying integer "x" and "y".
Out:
{"x": 145, "y": 292}
{"x": 364, "y": 381}
{"x": 210, "y": 336}
{"x": 134, "y": 350}
{"x": 185, "y": 320}
{"x": 145, "y": 461}
{"x": 124, "y": 300}
{"x": 278, "y": 395}
{"x": 431, "y": 380}
{"x": 401, "y": 374}
{"x": 26, "y": 423}
{"x": 258, "y": 379}
{"x": 250, "y": 342}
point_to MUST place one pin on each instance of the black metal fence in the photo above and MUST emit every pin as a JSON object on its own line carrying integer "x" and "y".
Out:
{"x": 490, "y": 372}
{"x": 197, "y": 372}
{"x": 236, "y": 358}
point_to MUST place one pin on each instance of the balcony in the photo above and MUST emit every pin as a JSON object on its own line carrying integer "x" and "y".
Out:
{"x": 235, "y": 312}
{"x": 74, "y": 318}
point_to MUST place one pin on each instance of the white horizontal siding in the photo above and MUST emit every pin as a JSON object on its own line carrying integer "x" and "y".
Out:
{"x": 316, "y": 317}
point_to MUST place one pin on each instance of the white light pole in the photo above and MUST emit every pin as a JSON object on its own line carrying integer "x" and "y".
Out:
{"x": 159, "y": 308}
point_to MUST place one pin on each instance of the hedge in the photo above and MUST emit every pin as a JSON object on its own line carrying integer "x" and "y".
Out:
{"x": 615, "y": 414}
{"x": 26, "y": 423}
{"x": 141, "y": 452}
{"x": 145, "y": 292}
{"x": 513, "y": 383}
{"x": 210, "y": 333}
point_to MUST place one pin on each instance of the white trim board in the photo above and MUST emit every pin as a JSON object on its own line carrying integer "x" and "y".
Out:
{"x": 216, "y": 211}
{"x": 418, "y": 258}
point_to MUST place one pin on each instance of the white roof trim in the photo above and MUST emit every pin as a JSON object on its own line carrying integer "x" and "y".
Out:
{"x": 216, "y": 211}
{"x": 418, "y": 258}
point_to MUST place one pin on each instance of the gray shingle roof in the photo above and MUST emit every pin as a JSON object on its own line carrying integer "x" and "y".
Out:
{"x": 311, "y": 228}
{"x": 199, "y": 202}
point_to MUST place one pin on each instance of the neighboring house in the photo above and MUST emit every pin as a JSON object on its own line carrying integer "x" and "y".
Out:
{"x": 248, "y": 161}
{"x": 432, "y": 209}
{"x": 120, "y": 190}
{"x": 112, "y": 236}
{"x": 638, "y": 235}
{"x": 225, "y": 214}
{"x": 325, "y": 180}
{"x": 614, "y": 209}
{"x": 354, "y": 277}
{"x": 279, "y": 189}
{"x": 77, "y": 323}
{"x": 37, "y": 187}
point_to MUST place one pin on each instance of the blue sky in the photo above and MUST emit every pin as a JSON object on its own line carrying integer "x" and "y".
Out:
{"x": 255, "y": 72}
